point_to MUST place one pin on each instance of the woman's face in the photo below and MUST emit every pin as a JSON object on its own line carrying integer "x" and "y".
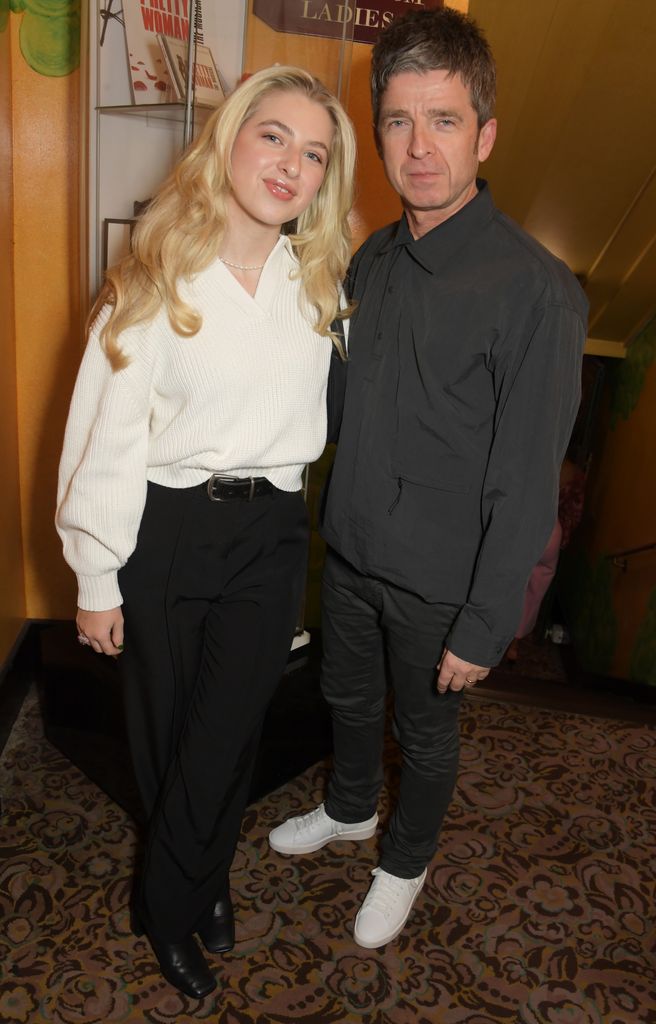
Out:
{"x": 279, "y": 158}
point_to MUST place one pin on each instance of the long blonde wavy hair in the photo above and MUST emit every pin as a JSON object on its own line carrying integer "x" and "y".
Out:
{"x": 181, "y": 231}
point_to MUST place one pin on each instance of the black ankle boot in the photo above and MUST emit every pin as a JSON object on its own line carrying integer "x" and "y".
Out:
{"x": 217, "y": 931}
{"x": 183, "y": 965}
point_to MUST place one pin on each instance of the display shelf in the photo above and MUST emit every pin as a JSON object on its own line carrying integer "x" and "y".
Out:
{"x": 131, "y": 147}
{"x": 175, "y": 113}
{"x": 165, "y": 111}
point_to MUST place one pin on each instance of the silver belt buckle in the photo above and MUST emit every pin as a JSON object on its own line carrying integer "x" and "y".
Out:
{"x": 217, "y": 477}
{"x": 229, "y": 480}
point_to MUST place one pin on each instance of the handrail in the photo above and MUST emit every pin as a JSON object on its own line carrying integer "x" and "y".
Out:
{"x": 621, "y": 558}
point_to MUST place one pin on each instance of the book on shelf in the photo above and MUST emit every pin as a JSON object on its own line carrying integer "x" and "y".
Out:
{"x": 152, "y": 79}
{"x": 207, "y": 84}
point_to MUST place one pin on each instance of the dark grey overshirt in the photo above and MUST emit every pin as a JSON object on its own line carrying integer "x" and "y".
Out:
{"x": 462, "y": 387}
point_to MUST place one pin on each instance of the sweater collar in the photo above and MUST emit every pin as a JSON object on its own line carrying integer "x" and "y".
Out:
{"x": 275, "y": 271}
{"x": 285, "y": 243}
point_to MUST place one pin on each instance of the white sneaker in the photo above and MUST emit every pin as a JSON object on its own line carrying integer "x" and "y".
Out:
{"x": 386, "y": 908}
{"x": 309, "y": 832}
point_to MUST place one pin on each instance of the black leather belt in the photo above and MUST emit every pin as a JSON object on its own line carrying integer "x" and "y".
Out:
{"x": 235, "y": 488}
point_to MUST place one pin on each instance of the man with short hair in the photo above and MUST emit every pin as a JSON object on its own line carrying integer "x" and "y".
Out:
{"x": 463, "y": 384}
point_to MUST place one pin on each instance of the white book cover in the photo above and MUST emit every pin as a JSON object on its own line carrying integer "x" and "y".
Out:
{"x": 145, "y": 20}
{"x": 208, "y": 90}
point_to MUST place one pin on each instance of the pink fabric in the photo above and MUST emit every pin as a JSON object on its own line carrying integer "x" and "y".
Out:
{"x": 570, "y": 502}
{"x": 539, "y": 581}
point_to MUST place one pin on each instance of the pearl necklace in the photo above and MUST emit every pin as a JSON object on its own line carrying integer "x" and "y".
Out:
{"x": 239, "y": 266}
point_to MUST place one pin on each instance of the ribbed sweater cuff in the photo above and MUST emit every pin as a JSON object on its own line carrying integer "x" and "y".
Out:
{"x": 98, "y": 593}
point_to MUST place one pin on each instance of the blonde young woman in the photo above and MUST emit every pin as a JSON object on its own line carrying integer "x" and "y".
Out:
{"x": 201, "y": 396}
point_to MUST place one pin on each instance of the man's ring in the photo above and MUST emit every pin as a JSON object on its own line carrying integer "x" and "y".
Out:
{"x": 82, "y": 639}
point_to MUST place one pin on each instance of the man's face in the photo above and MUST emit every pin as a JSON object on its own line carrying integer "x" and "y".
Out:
{"x": 431, "y": 145}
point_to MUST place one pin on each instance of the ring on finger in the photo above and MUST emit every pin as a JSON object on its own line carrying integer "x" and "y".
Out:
{"x": 83, "y": 640}
{"x": 470, "y": 681}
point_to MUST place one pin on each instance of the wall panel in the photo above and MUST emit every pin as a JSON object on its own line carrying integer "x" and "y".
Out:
{"x": 12, "y": 595}
{"x": 46, "y": 288}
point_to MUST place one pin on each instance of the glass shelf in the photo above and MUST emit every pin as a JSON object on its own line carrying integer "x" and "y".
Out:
{"x": 166, "y": 111}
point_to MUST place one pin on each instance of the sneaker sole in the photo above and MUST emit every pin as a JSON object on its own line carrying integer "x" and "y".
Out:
{"x": 354, "y": 836}
{"x": 390, "y": 938}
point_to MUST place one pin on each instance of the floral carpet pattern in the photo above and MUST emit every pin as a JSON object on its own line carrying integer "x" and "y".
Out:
{"x": 538, "y": 909}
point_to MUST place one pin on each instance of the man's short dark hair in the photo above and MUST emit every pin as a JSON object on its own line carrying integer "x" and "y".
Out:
{"x": 433, "y": 41}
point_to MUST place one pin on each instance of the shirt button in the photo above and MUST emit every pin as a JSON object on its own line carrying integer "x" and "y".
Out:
{"x": 390, "y": 289}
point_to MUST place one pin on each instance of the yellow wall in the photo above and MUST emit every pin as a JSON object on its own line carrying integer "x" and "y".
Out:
{"x": 12, "y": 594}
{"x": 376, "y": 203}
{"x": 264, "y": 46}
{"x": 45, "y": 114}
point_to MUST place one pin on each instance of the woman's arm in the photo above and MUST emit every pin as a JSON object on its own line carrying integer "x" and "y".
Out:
{"x": 102, "y": 474}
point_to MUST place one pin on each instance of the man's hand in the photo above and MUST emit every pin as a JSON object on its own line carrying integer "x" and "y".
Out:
{"x": 453, "y": 673}
{"x": 103, "y": 630}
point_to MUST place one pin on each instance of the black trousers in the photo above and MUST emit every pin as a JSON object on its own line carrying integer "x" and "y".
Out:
{"x": 211, "y": 596}
{"x": 372, "y": 629}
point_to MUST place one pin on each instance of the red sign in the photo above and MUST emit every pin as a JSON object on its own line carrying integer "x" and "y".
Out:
{"x": 332, "y": 18}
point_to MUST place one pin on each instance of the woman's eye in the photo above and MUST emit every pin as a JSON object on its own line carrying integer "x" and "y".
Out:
{"x": 271, "y": 137}
{"x": 315, "y": 156}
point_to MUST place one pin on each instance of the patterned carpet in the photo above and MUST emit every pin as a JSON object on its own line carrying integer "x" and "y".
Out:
{"x": 538, "y": 909}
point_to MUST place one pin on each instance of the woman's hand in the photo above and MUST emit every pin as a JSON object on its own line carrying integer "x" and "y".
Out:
{"x": 103, "y": 630}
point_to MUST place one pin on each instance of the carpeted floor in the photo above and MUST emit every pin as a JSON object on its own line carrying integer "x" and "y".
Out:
{"x": 538, "y": 909}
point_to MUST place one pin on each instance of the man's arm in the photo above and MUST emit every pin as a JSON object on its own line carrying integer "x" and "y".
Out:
{"x": 538, "y": 390}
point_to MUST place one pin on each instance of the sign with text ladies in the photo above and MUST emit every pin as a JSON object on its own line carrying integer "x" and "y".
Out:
{"x": 328, "y": 17}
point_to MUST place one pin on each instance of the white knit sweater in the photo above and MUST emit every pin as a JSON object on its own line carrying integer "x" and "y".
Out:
{"x": 246, "y": 396}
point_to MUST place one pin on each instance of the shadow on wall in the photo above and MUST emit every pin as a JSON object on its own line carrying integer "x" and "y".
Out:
{"x": 643, "y": 658}
{"x": 585, "y": 591}
{"x": 56, "y": 587}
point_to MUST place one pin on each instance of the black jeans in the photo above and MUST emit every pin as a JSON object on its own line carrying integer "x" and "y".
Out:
{"x": 211, "y": 595}
{"x": 367, "y": 625}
